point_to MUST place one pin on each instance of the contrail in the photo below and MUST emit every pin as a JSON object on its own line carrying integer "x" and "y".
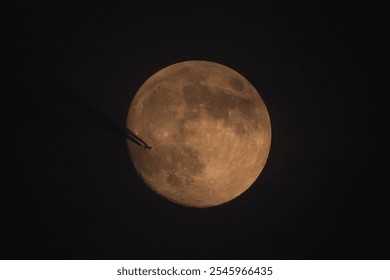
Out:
{"x": 115, "y": 124}
{"x": 79, "y": 97}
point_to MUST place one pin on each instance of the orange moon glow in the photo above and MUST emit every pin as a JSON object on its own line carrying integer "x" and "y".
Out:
{"x": 209, "y": 130}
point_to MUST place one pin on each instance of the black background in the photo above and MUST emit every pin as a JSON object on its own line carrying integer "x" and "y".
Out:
{"x": 70, "y": 190}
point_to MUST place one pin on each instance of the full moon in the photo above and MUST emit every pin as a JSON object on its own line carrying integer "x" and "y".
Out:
{"x": 209, "y": 130}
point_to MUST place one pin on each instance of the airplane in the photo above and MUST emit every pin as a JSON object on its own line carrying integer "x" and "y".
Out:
{"x": 134, "y": 138}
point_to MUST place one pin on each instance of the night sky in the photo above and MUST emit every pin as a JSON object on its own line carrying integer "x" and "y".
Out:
{"x": 69, "y": 188}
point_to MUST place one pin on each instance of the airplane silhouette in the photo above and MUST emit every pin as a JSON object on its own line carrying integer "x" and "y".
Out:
{"x": 134, "y": 138}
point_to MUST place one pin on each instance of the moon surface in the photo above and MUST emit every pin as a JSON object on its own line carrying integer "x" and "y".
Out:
{"x": 209, "y": 130}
